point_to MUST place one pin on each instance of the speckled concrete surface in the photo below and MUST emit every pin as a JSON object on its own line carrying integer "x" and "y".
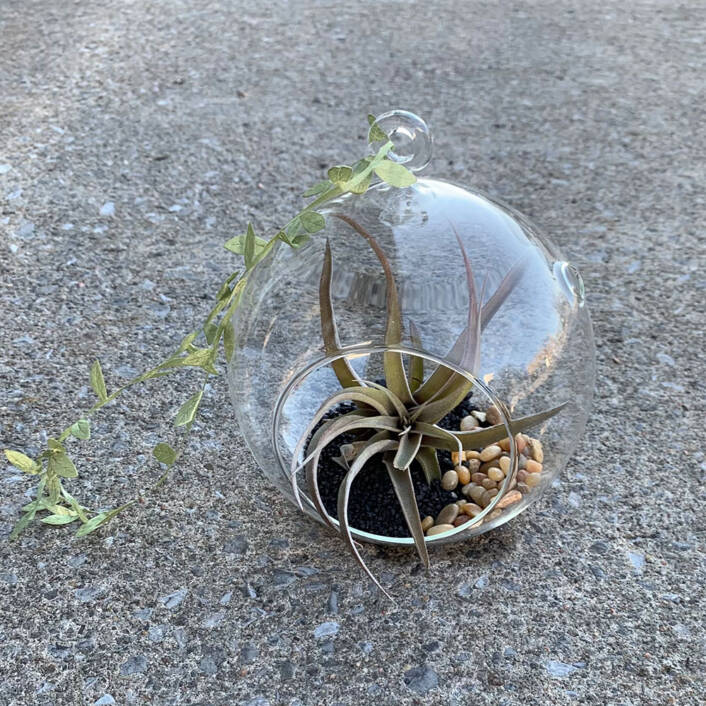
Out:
{"x": 192, "y": 117}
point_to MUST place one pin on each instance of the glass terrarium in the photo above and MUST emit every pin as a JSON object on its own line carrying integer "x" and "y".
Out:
{"x": 446, "y": 290}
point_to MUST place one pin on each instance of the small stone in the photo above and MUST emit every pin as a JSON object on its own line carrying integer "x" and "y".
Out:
{"x": 438, "y": 529}
{"x": 447, "y": 515}
{"x": 471, "y": 509}
{"x": 172, "y": 600}
{"x": 504, "y": 444}
{"x": 478, "y": 477}
{"x": 511, "y": 498}
{"x": 522, "y": 476}
{"x": 490, "y": 452}
{"x": 487, "y": 496}
{"x": 522, "y": 462}
{"x": 485, "y": 467}
{"x": 327, "y": 629}
{"x": 464, "y": 475}
{"x": 488, "y": 483}
{"x": 480, "y": 416}
{"x": 449, "y": 480}
{"x": 482, "y": 581}
{"x": 105, "y": 700}
{"x": 533, "y": 479}
{"x": 533, "y": 467}
{"x": 136, "y": 664}
{"x": 421, "y": 679}
{"x": 460, "y": 520}
{"x": 468, "y": 423}
{"x": 504, "y": 464}
{"x": 471, "y": 456}
{"x": 537, "y": 450}
{"x": 474, "y": 491}
{"x": 427, "y": 522}
{"x": 107, "y": 209}
{"x": 495, "y": 474}
{"x": 520, "y": 442}
{"x": 492, "y": 416}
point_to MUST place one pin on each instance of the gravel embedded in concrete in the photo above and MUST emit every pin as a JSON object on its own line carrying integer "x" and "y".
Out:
{"x": 193, "y": 118}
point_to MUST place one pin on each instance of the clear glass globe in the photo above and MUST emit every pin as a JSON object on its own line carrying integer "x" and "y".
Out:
{"x": 536, "y": 350}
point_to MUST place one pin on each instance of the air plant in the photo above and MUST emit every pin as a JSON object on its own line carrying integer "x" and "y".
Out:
{"x": 399, "y": 420}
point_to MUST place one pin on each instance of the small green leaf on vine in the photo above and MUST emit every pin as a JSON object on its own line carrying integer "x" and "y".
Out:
{"x": 375, "y": 134}
{"x": 81, "y": 429}
{"x": 97, "y": 382}
{"x": 187, "y": 411}
{"x": 164, "y": 453}
{"x": 395, "y": 174}
{"x": 62, "y": 465}
{"x": 24, "y": 463}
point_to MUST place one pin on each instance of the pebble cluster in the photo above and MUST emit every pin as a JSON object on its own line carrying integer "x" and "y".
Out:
{"x": 481, "y": 473}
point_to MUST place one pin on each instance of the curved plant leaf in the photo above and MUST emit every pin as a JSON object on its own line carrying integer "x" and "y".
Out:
{"x": 395, "y": 377}
{"x": 428, "y": 460}
{"x": 479, "y": 438}
{"x": 404, "y": 489}
{"x": 409, "y": 444}
{"x": 344, "y": 491}
{"x": 329, "y": 331}
{"x": 416, "y": 363}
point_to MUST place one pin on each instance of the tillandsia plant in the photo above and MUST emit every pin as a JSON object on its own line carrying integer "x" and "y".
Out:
{"x": 200, "y": 350}
{"x": 399, "y": 420}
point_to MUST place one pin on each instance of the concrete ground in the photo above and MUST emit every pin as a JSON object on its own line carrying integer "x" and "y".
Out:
{"x": 193, "y": 117}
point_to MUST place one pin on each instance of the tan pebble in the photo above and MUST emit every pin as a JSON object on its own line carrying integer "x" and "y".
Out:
{"x": 492, "y": 415}
{"x": 533, "y": 479}
{"x": 487, "y": 496}
{"x": 471, "y": 509}
{"x": 480, "y": 416}
{"x": 489, "y": 464}
{"x": 475, "y": 492}
{"x": 427, "y": 522}
{"x": 461, "y": 503}
{"x": 495, "y": 474}
{"x": 523, "y": 487}
{"x": 533, "y": 467}
{"x": 494, "y": 514}
{"x": 478, "y": 477}
{"x": 473, "y": 464}
{"x": 447, "y": 515}
{"x": 464, "y": 475}
{"x": 468, "y": 423}
{"x": 504, "y": 464}
{"x": 504, "y": 444}
{"x": 510, "y": 499}
{"x": 537, "y": 450}
{"x": 449, "y": 480}
{"x": 522, "y": 462}
{"x": 461, "y": 519}
{"x": 490, "y": 452}
{"x": 456, "y": 457}
{"x": 520, "y": 443}
{"x": 438, "y": 529}
{"x": 522, "y": 476}
{"x": 489, "y": 483}
{"x": 472, "y": 455}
